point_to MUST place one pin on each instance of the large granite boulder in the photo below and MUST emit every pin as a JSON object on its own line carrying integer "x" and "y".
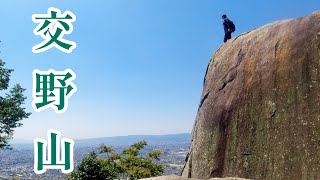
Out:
{"x": 184, "y": 178}
{"x": 259, "y": 116}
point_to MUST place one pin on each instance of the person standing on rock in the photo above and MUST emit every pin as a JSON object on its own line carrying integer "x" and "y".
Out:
{"x": 228, "y": 27}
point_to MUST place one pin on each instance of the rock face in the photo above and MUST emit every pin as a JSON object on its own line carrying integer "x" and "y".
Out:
{"x": 184, "y": 178}
{"x": 259, "y": 116}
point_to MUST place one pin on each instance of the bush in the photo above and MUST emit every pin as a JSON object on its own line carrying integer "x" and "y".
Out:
{"x": 129, "y": 164}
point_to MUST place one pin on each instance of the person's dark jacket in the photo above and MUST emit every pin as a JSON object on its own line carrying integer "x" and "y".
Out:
{"x": 226, "y": 27}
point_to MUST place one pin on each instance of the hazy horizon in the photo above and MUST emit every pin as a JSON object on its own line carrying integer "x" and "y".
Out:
{"x": 89, "y": 138}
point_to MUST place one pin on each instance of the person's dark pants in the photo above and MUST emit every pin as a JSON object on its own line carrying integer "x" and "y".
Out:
{"x": 227, "y": 36}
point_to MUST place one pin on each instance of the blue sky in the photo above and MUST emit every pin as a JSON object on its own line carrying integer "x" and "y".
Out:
{"x": 139, "y": 63}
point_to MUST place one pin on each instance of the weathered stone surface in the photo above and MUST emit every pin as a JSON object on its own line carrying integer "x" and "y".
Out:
{"x": 184, "y": 178}
{"x": 259, "y": 116}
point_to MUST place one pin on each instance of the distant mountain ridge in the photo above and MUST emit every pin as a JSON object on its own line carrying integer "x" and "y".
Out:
{"x": 125, "y": 140}
{"x": 151, "y": 139}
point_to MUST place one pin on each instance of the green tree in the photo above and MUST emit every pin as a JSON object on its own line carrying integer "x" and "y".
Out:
{"x": 11, "y": 110}
{"x": 136, "y": 166}
{"x": 92, "y": 167}
{"x": 128, "y": 164}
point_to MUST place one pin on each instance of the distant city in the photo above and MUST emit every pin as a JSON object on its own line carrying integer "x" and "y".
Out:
{"x": 18, "y": 162}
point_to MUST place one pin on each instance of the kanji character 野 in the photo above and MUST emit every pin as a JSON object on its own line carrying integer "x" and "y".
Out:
{"x": 52, "y": 89}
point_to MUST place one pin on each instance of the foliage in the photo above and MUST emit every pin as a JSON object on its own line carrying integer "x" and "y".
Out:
{"x": 11, "y": 110}
{"x": 92, "y": 167}
{"x": 129, "y": 164}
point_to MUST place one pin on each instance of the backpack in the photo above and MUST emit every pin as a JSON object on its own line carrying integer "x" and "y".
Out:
{"x": 232, "y": 26}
